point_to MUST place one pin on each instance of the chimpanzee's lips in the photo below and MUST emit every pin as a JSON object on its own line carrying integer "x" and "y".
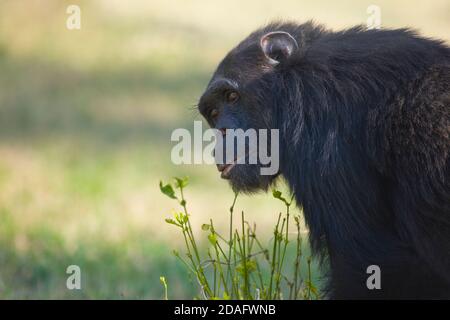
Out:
{"x": 225, "y": 169}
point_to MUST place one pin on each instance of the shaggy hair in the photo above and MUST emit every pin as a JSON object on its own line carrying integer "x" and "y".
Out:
{"x": 364, "y": 120}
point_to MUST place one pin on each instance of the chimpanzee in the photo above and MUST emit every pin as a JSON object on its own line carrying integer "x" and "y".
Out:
{"x": 364, "y": 139}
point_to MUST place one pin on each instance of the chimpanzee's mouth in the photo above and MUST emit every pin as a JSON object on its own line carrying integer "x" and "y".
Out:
{"x": 226, "y": 169}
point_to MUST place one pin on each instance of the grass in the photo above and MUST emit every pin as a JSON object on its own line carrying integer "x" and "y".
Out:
{"x": 39, "y": 261}
{"x": 241, "y": 267}
{"x": 85, "y": 123}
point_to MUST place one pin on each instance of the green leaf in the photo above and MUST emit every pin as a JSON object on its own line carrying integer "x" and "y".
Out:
{"x": 278, "y": 195}
{"x": 212, "y": 238}
{"x": 181, "y": 183}
{"x": 167, "y": 190}
{"x": 181, "y": 218}
{"x": 249, "y": 264}
{"x": 171, "y": 221}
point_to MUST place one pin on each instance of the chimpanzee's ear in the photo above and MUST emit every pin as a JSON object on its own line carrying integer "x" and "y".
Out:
{"x": 278, "y": 46}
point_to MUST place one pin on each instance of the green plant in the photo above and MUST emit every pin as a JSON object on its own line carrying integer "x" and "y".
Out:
{"x": 164, "y": 283}
{"x": 241, "y": 267}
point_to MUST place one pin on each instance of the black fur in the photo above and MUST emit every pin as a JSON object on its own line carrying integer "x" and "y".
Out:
{"x": 364, "y": 119}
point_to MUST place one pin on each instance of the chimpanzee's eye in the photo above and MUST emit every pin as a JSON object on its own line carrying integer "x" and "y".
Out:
{"x": 232, "y": 96}
{"x": 213, "y": 113}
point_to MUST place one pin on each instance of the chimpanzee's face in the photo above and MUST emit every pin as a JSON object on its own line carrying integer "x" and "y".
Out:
{"x": 239, "y": 97}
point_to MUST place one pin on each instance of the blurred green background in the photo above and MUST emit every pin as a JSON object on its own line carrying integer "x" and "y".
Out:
{"x": 85, "y": 123}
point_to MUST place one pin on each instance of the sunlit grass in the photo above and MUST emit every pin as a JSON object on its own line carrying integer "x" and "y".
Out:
{"x": 240, "y": 265}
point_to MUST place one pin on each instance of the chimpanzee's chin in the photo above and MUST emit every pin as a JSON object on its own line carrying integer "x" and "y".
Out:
{"x": 247, "y": 179}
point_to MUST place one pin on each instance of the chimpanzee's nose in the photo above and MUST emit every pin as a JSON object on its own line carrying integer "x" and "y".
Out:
{"x": 221, "y": 167}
